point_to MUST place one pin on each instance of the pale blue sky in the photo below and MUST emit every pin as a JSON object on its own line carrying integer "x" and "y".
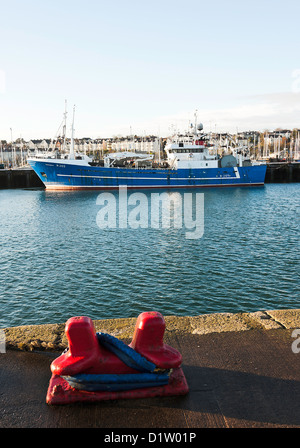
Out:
{"x": 148, "y": 65}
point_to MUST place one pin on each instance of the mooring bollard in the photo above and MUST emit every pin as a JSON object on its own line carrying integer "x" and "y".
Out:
{"x": 148, "y": 339}
{"x": 98, "y": 366}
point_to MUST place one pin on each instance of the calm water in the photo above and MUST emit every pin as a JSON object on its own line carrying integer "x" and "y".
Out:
{"x": 56, "y": 262}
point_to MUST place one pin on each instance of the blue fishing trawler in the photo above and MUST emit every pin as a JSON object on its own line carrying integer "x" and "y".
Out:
{"x": 189, "y": 162}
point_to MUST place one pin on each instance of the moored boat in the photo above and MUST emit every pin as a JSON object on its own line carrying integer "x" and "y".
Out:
{"x": 190, "y": 162}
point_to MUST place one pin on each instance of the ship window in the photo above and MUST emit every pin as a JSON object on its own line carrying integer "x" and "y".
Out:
{"x": 180, "y": 145}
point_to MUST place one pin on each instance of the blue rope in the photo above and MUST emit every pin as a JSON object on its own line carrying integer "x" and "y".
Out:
{"x": 119, "y": 382}
{"x": 116, "y": 382}
{"x": 127, "y": 354}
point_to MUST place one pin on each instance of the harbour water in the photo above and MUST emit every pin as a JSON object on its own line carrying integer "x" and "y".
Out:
{"x": 56, "y": 262}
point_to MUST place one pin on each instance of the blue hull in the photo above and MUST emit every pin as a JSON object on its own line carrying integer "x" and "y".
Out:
{"x": 60, "y": 176}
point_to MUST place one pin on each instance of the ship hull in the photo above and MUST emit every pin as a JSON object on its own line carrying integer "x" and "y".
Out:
{"x": 67, "y": 176}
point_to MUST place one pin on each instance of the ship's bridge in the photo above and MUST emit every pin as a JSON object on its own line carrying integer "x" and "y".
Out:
{"x": 190, "y": 154}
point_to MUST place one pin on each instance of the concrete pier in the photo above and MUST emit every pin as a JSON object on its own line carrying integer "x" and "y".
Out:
{"x": 283, "y": 172}
{"x": 242, "y": 371}
{"x": 19, "y": 178}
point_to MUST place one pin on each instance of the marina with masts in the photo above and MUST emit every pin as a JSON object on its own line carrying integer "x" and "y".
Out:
{"x": 279, "y": 147}
{"x": 273, "y": 146}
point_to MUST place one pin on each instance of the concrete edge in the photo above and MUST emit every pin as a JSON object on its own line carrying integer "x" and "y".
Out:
{"x": 51, "y": 337}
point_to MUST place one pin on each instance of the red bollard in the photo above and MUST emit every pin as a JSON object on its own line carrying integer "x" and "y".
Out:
{"x": 87, "y": 356}
{"x": 148, "y": 340}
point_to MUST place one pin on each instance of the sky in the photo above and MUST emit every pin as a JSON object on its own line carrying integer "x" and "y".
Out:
{"x": 145, "y": 67}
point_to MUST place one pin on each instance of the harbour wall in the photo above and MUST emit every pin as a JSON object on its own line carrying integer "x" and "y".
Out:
{"x": 19, "y": 178}
{"x": 52, "y": 337}
{"x": 26, "y": 177}
{"x": 283, "y": 172}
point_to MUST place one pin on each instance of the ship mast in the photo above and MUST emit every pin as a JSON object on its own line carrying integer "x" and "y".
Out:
{"x": 65, "y": 127}
{"x": 72, "y": 155}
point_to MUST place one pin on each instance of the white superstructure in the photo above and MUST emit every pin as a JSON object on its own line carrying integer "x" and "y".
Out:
{"x": 187, "y": 152}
